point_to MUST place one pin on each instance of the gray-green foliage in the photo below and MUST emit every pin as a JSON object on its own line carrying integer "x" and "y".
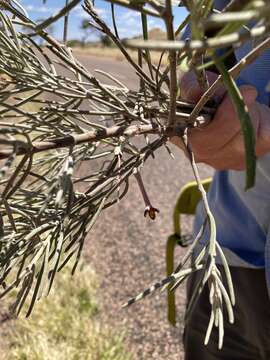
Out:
{"x": 56, "y": 116}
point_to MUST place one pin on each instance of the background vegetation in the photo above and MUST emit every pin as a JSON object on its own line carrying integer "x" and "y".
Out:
{"x": 66, "y": 325}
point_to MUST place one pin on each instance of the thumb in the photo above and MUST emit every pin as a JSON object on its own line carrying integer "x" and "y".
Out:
{"x": 189, "y": 87}
{"x": 249, "y": 94}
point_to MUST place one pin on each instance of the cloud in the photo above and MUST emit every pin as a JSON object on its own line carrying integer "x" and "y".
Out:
{"x": 41, "y": 9}
{"x": 155, "y": 23}
{"x": 80, "y": 13}
{"x": 130, "y": 15}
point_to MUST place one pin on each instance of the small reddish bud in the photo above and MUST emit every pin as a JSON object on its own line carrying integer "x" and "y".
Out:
{"x": 151, "y": 212}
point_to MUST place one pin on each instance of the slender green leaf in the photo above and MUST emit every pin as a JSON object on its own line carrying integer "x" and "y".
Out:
{"x": 245, "y": 120}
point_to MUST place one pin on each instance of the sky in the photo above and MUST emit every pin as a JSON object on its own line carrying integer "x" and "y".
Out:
{"x": 128, "y": 21}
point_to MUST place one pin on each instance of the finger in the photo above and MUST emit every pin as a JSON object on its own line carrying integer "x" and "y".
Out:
{"x": 249, "y": 94}
{"x": 191, "y": 91}
{"x": 223, "y": 128}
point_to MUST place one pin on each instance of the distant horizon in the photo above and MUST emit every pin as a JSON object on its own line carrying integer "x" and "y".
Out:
{"x": 128, "y": 21}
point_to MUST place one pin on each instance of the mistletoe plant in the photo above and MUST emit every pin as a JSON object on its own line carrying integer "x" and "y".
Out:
{"x": 56, "y": 116}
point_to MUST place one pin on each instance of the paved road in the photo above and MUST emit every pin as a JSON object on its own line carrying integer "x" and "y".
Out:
{"x": 119, "y": 69}
{"x": 127, "y": 250}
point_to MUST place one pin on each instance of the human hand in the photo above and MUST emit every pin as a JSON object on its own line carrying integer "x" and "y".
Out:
{"x": 220, "y": 144}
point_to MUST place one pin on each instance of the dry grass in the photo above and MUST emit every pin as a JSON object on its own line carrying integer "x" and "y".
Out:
{"x": 65, "y": 326}
{"x": 115, "y": 54}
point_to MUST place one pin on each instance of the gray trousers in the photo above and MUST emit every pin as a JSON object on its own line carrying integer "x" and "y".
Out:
{"x": 249, "y": 337}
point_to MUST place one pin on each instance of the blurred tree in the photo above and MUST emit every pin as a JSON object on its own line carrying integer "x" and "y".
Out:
{"x": 106, "y": 41}
{"x": 87, "y": 31}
